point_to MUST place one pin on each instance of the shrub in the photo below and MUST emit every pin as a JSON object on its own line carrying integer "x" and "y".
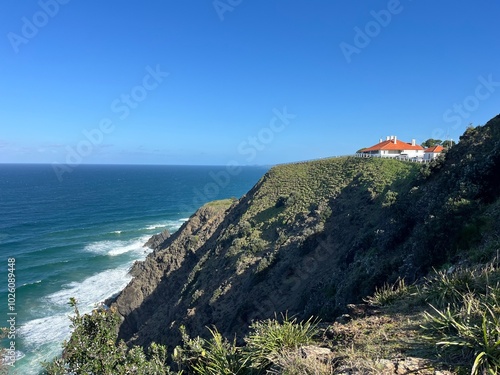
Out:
{"x": 388, "y": 294}
{"x": 449, "y": 287}
{"x": 269, "y": 339}
{"x": 473, "y": 331}
{"x": 468, "y": 328}
{"x": 216, "y": 356}
{"x": 93, "y": 349}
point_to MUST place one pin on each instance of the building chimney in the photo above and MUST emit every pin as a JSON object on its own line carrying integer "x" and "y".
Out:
{"x": 395, "y": 139}
{"x": 388, "y": 138}
{"x": 380, "y": 141}
{"x": 413, "y": 142}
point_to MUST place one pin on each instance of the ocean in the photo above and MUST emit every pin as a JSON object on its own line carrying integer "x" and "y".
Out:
{"x": 78, "y": 238}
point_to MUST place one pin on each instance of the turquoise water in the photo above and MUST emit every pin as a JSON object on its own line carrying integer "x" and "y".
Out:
{"x": 78, "y": 237}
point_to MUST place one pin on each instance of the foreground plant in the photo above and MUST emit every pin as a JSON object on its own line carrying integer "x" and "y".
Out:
{"x": 216, "y": 356}
{"x": 269, "y": 339}
{"x": 294, "y": 363}
{"x": 388, "y": 294}
{"x": 469, "y": 331}
{"x": 93, "y": 349}
{"x": 270, "y": 347}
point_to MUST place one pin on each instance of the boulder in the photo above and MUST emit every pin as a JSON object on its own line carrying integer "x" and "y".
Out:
{"x": 157, "y": 240}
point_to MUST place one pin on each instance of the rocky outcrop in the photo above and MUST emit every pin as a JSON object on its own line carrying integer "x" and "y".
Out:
{"x": 158, "y": 279}
{"x": 157, "y": 240}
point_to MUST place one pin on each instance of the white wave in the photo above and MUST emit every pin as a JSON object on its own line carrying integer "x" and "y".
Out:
{"x": 42, "y": 331}
{"x": 157, "y": 226}
{"x": 114, "y": 248}
{"x": 54, "y": 329}
{"x": 43, "y": 336}
{"x": 170, "y": 224}
{"x": 93, "y": 289}
{"x": 117, "y": 232}
{"x": 36, "y": 282}
{"x": 32, "y": 366}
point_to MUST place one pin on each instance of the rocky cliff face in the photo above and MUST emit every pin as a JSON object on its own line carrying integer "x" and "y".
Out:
{"x": 311, "y": 237}
{"x": 152, "y": 295}
{"x": 158, "y": 239}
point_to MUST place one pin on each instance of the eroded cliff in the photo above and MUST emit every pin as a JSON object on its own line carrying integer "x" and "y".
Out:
{"x": 311, "y": 237}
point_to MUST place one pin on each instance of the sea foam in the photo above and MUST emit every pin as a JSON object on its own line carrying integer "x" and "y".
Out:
{"x": 114, "y": 248}
{"x": 43, "y": 335}
{"x": 169, "y": 224}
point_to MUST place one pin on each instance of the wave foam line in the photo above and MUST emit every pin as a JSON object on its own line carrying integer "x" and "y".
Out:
{"x": 93, "y": 289}
{"x": 114, "y": 248}
{"x": 52, "y": 330}
{"x": 170, "y": 224}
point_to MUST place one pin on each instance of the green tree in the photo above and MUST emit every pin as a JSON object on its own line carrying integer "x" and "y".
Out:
{"x": 431, "y": 142}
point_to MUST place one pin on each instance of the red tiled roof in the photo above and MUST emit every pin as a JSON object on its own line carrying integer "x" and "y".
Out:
{"x": 390, "y": 145}
{"x": 435, "y": 149}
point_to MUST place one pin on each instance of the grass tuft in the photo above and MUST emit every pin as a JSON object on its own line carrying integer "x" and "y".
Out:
{"x": 269, "y": 339}
{"x": 388, "y": 294}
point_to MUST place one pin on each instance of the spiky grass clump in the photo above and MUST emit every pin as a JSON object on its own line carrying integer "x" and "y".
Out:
{"x": 271, "y": 338}
{"x": 268, "y": 345}
{"x": 221, "y": 357}
{"x": 216, "y": 356}
{"x": 388, "y": 294}
{"x": 449, "y": 287}
{"x": 468, "y": 327}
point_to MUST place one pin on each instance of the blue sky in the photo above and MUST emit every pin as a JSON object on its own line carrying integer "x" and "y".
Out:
{"x": 246, "y": 81}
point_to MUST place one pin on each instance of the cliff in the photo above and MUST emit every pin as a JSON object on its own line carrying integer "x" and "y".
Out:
{"x": 311, "y": 237}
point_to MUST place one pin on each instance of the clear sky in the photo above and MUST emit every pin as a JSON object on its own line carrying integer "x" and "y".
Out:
{"x": 251, "y": 81}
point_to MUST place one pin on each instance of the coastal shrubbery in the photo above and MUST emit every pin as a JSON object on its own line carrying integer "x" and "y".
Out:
{"x": 465, "y": 320}
{"x": 459, "y": 314}
{"x": 94, "y": 349}
{"x": 455, "y": 311}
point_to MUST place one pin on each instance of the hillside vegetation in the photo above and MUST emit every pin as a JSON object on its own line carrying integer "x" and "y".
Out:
{"x": 311, "y": 238}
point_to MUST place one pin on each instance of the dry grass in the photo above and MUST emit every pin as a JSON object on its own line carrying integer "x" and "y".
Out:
{"x": 369, "y": 345}
{"x": 294, "y": 363}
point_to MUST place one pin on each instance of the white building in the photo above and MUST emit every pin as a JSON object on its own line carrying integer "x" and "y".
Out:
{"x": 392, "y": 147}
{"x": 432, "y": 153}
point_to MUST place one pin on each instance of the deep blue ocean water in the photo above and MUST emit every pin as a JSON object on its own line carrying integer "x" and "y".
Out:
{"x": 78, "y": 237}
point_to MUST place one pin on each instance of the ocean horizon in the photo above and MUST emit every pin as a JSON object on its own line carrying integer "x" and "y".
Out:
{"x": 79, "y": 237}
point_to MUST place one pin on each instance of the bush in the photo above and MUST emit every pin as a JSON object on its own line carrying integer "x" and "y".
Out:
{"x": 269, "y": 345}
{"x": 468, "y": 328}
{"x": 269, "y": 339}
{"x": 471, "y": 332}
{"x": 93, "y": 349}
{"x": 449, "y": 287}
{"x": 216, "y": 356}
{"x": 388, "y": 294}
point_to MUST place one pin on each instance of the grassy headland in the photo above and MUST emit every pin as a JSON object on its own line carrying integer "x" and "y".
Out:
{"x": 316, "y": 239}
